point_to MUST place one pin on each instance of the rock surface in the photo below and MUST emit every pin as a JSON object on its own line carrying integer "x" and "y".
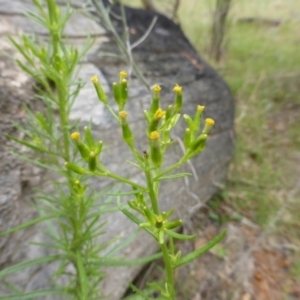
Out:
{"x": 165, "y": 57}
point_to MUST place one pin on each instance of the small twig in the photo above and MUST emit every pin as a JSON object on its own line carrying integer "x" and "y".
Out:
{"x": 146, "y": 34}
{"x": 123, "y": 44}
{"x": 149, "y": 4}
{"x": 175, "y": 10}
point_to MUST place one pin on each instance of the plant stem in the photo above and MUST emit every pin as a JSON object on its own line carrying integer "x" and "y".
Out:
{"x": 175, "y": 166}
{"x": 112, "y": 112}
{"x": 64, "y": 120}
{"x": 169, "y": 271}
{"x": 152, "y": 194}
{"x": 122, "y": 179}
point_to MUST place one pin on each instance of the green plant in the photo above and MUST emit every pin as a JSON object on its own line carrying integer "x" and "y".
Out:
{"x": 158, "y": 224}
{"x": 72, "y": 211}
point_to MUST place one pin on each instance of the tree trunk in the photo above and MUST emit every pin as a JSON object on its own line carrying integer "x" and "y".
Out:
{"x": 218, "y": 28}
{"x": 148, "y": 4}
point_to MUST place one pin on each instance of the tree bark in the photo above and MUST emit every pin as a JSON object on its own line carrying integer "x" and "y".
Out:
{"x": 218, "y": 29}
{"x": 149, "y": 5}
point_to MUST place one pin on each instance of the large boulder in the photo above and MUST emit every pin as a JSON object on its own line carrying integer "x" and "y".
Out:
{"x": 165, "y": 57}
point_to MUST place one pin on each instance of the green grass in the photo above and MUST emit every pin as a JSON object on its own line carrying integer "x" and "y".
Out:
{"x": 261, "y": 68}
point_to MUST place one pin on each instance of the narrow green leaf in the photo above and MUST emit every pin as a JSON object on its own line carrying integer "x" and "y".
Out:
{"x": 134, "y": 164}
{"x": 115, "y": 262}
{"x": 29, "y": 223}
{"x": 20, "y": 48}
{"x": 35, "y": 162}
{"x": 180, "y": 236}
{"x": 124, "y": 193}
{"x": 12, "y": 287}
{"x": 29, "y": 263}
{"x": 49, "y": 246}
{"x": 34, "y": 294}
{"x": 27, "y": 70}
{"x": 35, "y": 17}
{"x": 191, "y": 256}
{"x": 132, "y": 217}
{"x": 87, "y": 45}
{"x": 138, "y": 292}
{"x": 29, "y": 145}
{"x": 179, "y": 175}
{"x": 123, "y": 243}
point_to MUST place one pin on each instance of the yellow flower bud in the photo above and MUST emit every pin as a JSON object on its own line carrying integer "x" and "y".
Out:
{"x": 156, "y": 88}
{"x": 99, "y": 89}
{"x": 123, "y": 114}
{"x": 127, "y": 134}
{"x": 177, "y": 89}
{"x": 154, "y": 135}
{"x": 178, "y": 100}
{"x": 81, "y": 146}
{"x": 75, "y": 136}
{"x": 155, "y": 152}
{"x": 197, "y": 118}
{"x": 200, "y": 108}
{"x": 209, "y": 122}
{"x": 123, "y": 75}
{"x": 77, "y": 182}
{"x": 95, "y": 79}
{"x": 159, "y": 113}
{"x": 159, "y": 222}
{"x": 155, "y": 100}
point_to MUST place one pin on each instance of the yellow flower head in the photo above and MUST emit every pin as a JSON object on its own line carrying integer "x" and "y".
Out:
{"x": 159, "y": 113}
{"x": 123, "y": 75}
{"x": 95, "y": 79}
{"x": 75, "y": 136}
{"x": 156, "y": 88}
{"x": 209, "y": 122}
{"x": 154, "y": 135}
{"x": 200, "y": 108}
{"x": 123, "y": 114}
{"x": 159, "y": 219}
{"x": 177, "y": 89}
{"x": 77, "y": 182}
